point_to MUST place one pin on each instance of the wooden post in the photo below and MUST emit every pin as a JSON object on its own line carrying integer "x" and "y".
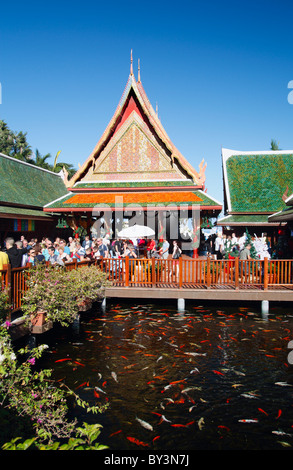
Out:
{"x": 153, "y": 272}
{"x": 127, "y": 271}
{"x": 208, "y": 272}
{"x": 180, "y": 274}
{"x": 9, "y": 286}
{"x": 236, "y": 273}
{"x": 265, "y": 273}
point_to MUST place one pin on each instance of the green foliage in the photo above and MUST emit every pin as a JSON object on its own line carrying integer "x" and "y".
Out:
{"x": 15, "y": 145}
{"x": 89, "y": 283}
{"x": 50, "y": 290}
{"x": 253, "y": 254}
{"x": 58, "y": 292}
{"x": 84, "y": 440}
{"x": 4, "y": 305}
{"x": 34, "y": 394}
{"x": 274, "y": 145}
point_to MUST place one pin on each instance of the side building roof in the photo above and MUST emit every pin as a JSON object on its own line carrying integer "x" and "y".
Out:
{"x": 26, "y": 188}
{"x": 255, "y": 184}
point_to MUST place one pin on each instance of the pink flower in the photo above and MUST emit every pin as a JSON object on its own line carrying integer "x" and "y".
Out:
{"x": 32, "y": 361}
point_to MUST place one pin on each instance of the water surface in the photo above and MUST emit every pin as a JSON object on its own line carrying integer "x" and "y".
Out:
{"x": 211, "y": 377}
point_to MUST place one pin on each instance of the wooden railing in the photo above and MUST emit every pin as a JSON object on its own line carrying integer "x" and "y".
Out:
{"x": 204, "y": 273}
{"x": 183, "y": 273}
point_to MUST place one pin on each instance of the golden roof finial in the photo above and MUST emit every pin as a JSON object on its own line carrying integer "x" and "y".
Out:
{"x": 131, "y": 67}
{"x": 138, "y": 71}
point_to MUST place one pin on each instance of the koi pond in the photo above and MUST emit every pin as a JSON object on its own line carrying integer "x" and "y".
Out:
{"x": 211, "y": 377}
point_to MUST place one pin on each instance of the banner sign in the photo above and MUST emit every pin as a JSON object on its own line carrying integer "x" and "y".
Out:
{"x": 23, "y": 225}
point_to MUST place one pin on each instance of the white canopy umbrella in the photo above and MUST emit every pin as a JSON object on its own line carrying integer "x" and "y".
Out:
{"x": 136, "y": 231}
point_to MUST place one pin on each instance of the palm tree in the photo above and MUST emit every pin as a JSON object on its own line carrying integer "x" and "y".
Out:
{"x": 40, "y": 160}
{"x": 274, "y": 145}
{"x": 68, "y": 167}
{"x": 59, "y": 166}
{"x": 21, "y": 149}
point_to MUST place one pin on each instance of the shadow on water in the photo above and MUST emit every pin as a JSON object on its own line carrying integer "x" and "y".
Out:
{"x": 215, "y": 376}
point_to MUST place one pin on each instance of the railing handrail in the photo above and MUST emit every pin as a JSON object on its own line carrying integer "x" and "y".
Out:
{"x": 184, "y": 272}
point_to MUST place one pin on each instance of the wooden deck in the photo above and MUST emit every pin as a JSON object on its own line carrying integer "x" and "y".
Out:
{"x": 186, "y": 278}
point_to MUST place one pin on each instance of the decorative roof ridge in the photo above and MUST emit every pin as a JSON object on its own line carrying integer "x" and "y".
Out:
{"x": 188, "y": 182}
{"x": 106, "y": 132}
{"x": 58, "y": 199}
{"x": 30, "y": 165}
{"x": 211, "y": 197}
{"x": 166, "y": 139}
{"x": 199, "y": 177}
{"x": 289, "y": 200}
{"x": 227, "y": 153}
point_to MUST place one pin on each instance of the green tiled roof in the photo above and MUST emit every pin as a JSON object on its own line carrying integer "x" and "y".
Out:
{"x": 23, "y": 212}
{"x": 28, "y": 185}
{"x": 243, "y": 219}
{"x": 257, "y": 182}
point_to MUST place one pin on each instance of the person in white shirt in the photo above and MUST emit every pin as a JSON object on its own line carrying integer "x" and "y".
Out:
{"x": 165, "y": 249}
{"x": 242, "y": 241}
{"x": 234, "y": 239}
{"x": 219, "y": 246}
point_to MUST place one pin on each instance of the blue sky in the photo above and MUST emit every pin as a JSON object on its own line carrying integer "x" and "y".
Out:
{"x": 219, "y": 72}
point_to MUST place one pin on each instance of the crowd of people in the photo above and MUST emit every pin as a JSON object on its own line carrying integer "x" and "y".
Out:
{"x": 59, "y": 251}
{"x": 223, "y": 246}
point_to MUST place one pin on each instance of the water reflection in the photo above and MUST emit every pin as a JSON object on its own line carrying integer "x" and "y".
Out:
{"x": 205, "y": 378}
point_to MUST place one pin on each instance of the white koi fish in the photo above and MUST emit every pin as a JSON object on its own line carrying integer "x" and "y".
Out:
{"x": 248, "y": 420}
{"x": 114, "y": 375}
{"x": 144, "y": 424}
{"x": 98, "y": 389}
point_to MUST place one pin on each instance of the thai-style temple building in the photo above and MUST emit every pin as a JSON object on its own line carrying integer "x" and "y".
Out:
{"x": 256, "y": 186}
{"x": 136, "y": 174}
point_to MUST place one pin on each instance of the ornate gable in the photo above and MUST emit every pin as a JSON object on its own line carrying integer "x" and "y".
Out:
{"x": 133, "y": 154}
{"x": 135, "y": 147}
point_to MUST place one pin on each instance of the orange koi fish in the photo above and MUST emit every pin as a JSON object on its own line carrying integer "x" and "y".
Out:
{"x": 263, "y": 411}
{"x": 82, "y": 385}
{"x": 224, "y": 427}
{"x": 114, "y": 433}
{"x": 137, "y": 442}
{"x": 62, "y": 360}
{"x": 217, "y": 372}
{"x": 279, "y": 414}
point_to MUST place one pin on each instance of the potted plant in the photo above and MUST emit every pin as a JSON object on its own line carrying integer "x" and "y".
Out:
{"x": 50, "y": 295}
{"x": 90, "y": 284}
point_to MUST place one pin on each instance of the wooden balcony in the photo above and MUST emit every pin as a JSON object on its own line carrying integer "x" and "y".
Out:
{"x": 188, "y": 278}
